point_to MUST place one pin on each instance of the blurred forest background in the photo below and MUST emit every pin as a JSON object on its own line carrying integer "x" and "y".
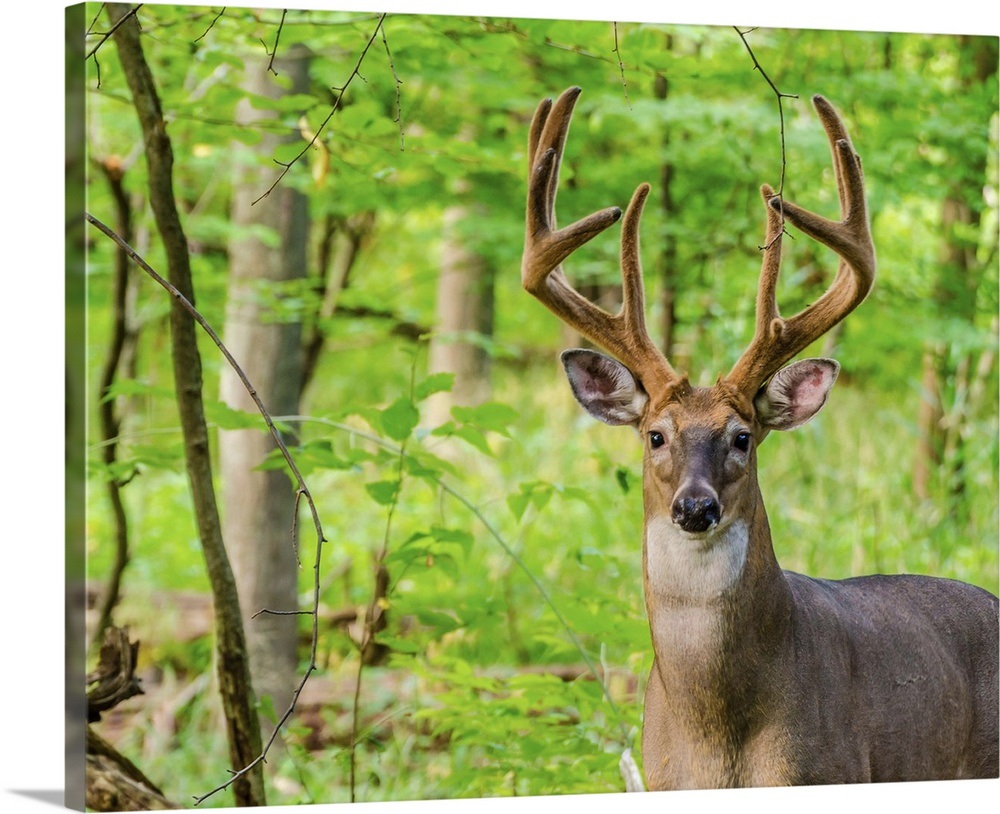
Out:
{"x": 350, "y": 189}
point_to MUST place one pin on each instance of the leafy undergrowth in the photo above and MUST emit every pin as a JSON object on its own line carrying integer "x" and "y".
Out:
{"x": 517, "y": 637}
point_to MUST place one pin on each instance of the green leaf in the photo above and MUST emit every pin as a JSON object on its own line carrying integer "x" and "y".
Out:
{"x": 407, "y": 554}
{"x": 165, "y": 456}
{"x": 383, "y": 492}
{"x": 541, "y": 495}
{"x": 518, "y": 503}
{"x": 582, "y": 554}
{"x": 266, "y": 705}
{"x": 461, "y": 537}
{"x": 134, "y": 387}
{"x": 417, "y": 535}
{"x": 428, "y": 557}
{"x": 226, "y": 418}
{"x": 467, "y": 432}
{"x": 441, "y": 621}
{"x": 448, "y": 428}
{"x": 397, "y": 643}
{"x": 311, "y": 456}
{"x": 435, "y": 383}
{"x": 622, "y": 478}
{"x": 446, "y": 563}
{"x": 423, "y": 464}
{"x": 576, "y": 493}
{"x": 399, "y": 419}
{"x": 491, "y": 416}
{"x": 537, "y": 494}
{"x": 434, "y": 548}
{"x": 475, "y": 437}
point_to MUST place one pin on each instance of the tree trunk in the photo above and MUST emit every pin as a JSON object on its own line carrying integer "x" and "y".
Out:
{"x": 121, "y": 352}
{"x": 258, "y": 505}
{"x": 339, "y": 247}
{"x": 115, "y": 783}
{"x": 464, "y": 311}
{"x": 233, "y": 670}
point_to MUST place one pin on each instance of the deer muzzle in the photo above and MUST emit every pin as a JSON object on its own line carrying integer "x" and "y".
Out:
{"x": 696, "y": 508}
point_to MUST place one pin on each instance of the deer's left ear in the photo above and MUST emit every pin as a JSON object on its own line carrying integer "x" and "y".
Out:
{"x": 795, "y": 393}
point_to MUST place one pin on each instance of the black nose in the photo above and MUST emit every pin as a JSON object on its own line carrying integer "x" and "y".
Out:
{"x": 695, "y": 514}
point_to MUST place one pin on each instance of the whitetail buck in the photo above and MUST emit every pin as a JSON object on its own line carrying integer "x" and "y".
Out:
{"x": 761, "y": 676}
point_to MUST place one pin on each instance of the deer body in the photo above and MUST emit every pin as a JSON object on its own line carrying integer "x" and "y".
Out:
{"x": 763, "y": 677}
{"x": 772, "y": 678}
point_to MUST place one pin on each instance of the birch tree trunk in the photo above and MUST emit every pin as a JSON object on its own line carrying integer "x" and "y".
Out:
{"x": 464, "y": 311}
{"x": 258, "y": 505}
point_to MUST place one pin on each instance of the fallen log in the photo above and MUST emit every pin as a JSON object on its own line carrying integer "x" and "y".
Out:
{"x": 113, "y": 782}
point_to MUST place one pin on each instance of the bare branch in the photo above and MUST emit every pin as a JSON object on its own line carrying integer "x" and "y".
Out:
{"x": 90, "y": 28}
{"x": 272, "y": 612}
{"x": 212, "y": 25}
{"x": 781, "y": 114}
{"x": 336, "y": 106}
{"x": 621, "y": 67}
{"x": 277, "y": 37}
{"x": 303, "y": 491}
{"x": 399, "y": 111}
{"x": 113, "y": 29}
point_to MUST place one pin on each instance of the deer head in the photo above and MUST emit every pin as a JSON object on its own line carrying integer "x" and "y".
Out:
{"x": 700, "y": 443}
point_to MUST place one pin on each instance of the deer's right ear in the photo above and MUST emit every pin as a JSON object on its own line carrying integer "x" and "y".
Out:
{"x": 604, "y": 387}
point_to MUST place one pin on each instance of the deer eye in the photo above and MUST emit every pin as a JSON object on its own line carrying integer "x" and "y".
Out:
{"x": 656, "y": 439}
{"x": 742, "y": 441}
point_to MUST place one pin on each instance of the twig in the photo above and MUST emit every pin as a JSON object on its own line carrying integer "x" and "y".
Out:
{"x": 395, "y": 76}
{"x": 277, "y": 37}
{"x": 621, "y": 67}
{"x": 303, "y": 490}
{"x": 336, "y": 106}
{"x": 113, "y": 29}
{"x": 781, "y": 118}
{"x": 212, "y": 24}
{"x": 90, "y": 28}
{"x": 295, "y": 526}
{"x": 272, "y": 612}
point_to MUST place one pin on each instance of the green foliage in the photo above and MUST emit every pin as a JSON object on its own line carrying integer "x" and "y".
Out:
{"x": 511, "y": 531}
{"x": 527, "y": 734}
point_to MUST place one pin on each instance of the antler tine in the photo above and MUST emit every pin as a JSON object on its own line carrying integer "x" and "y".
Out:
{"x": 851, "y": 236}
{"x": 777, "y": 340}
{"x": 650, "y": 365}
{"x": 545, "y": 247}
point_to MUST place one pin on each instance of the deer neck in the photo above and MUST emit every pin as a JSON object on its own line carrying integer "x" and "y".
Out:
{"x": 718, "y": 606}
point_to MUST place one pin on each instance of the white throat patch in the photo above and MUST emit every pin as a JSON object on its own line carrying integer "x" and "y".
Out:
{"x": 694, "y": 569}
